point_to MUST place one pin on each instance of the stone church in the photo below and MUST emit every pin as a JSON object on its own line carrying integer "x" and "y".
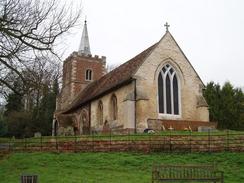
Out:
{"x": 157, "y": 89}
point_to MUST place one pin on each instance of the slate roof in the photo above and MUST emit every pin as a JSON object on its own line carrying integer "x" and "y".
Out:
{"x": 119, "y": 76}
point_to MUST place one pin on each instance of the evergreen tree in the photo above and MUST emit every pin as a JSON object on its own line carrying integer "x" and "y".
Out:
{"x": 212, "y": 95}
{"x": 239, "y": 100}
{"x": 3, "y": 125}
{"x": 226, "y": 105}
{"x": 55, "y": 87}
{"x": 20, "y": 124}
{"x": 44, "y": 117}
{"x": 228, "y": 109}
{"x": 33, "y": 112}
{"x": 14, "y": 101}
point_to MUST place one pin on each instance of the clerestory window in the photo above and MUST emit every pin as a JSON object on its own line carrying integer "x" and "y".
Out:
{"x": 168, "y": 91}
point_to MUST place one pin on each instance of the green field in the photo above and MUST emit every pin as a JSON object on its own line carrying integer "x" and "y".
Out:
{"x": 109, "y": 167}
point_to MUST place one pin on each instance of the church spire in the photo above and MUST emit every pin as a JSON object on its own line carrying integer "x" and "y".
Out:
{"x": 84, "y": 43}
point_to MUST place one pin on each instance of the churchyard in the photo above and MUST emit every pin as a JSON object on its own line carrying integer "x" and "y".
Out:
{"x": 61, "y": 159}
{"x": 110, "y": 167}
{"x": 52, "y": 95}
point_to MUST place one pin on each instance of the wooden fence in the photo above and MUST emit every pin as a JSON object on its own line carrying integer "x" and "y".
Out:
{"x": 146, "y": 143}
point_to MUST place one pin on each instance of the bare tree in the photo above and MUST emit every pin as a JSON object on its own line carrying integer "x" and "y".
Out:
{"x": 29, "y": 29}
{"x": 42, "y": 74}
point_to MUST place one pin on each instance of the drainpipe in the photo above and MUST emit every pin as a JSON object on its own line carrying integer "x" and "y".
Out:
{"x": 53, "y": 126}
{"x": 135, "y": 96}
{"x": 90, "y": 130}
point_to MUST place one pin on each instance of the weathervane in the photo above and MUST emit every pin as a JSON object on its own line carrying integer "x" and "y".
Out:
{"x": 167, "y": 26}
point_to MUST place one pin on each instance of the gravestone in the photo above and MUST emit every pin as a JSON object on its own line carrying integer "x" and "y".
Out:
{"x": 37, "y": 134}
{"x": 206, "y": 129}
{"x": 106, "y": 128}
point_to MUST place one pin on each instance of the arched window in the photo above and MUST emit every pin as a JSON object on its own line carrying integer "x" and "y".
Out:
{"x": 88, "y": 74}
{"x": 114, "y": 107}
{"x": 168, "y": 91}
{"x": 100, "y": 112}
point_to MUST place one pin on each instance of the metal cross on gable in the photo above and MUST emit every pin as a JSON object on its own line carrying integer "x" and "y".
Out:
{"x": 167, "y": 26}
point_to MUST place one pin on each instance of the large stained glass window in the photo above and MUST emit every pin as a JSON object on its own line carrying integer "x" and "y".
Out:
{"x": 168, "y": 91}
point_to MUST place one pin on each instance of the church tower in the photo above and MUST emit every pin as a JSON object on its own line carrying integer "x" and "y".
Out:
{"x": 79, "y": 70}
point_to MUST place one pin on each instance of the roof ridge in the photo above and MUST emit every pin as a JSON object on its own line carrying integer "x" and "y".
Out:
{"x": 133, "y": 58}
{"x": 121, "y": 74}
{"x": 186, "y": 58}
{"x": 153, "y": 47}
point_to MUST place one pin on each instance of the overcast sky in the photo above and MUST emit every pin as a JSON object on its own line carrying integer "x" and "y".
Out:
{"x": 210, "y": 32}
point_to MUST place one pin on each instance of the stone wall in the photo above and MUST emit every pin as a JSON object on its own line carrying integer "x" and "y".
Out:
{"x": 160, "y": 124}
{"x": 153, "y": 143}
{"x": 125, "y": 104}
{"x": 193, "y": 106}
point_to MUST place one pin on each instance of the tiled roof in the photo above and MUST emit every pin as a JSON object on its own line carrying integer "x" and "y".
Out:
{"x": 117, "y": 77}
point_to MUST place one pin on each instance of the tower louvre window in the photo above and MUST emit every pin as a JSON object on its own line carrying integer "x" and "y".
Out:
{"x": 168, "y": 91}
{"x": 88, "y": 74}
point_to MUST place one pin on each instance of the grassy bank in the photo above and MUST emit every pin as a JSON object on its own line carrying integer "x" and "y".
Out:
{"x": 109, "y": 167}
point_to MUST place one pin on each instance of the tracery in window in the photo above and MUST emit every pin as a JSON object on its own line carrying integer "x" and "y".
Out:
{"x": 168, "y": 91}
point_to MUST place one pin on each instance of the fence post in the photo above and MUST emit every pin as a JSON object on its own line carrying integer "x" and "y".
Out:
{"x": 209, "y": 148}
{"x": 9, "y": 144}
{"x": 128, "y": 140}
{"x": 164, "y": 143}
{"x": 56, "y": 141}
{"x": 75, "y": 144}
{"x": 170, "y": 144}
{"x": 25, "y": 143}
{"x": 41, "y": 142}
{"x": 128, "y": 135}
{"x": 13, "y": 144}
{"x": 150, "y": 142}
{"x": 190, "y": 142}
{"x": 110, "y": 139}
{"x": 227, "y": 140}
{"x": 93, "y": 142}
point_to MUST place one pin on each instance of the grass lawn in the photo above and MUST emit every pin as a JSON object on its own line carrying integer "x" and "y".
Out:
{"x": 108, "y": 167}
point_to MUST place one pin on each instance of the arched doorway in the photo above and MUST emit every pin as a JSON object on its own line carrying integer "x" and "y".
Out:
{"x": 84, "y": 123}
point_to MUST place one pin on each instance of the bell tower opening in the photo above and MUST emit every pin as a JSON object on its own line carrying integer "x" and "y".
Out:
{"x": 79, "y": 70}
